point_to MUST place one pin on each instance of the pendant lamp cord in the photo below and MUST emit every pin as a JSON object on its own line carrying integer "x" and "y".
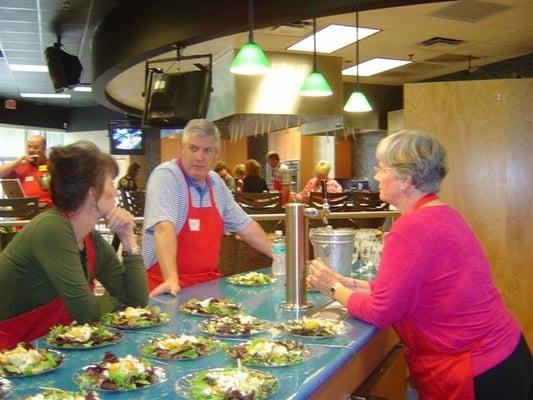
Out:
{"x": 314, "y": 35}
{"x": 251, "y": 21}
{"x": 357, "y": 46}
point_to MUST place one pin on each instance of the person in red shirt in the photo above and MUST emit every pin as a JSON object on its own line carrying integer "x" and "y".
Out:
{"x": 434, "y": 286}
{"x": 31, "y": 170}
{"x": 281, "y": 176}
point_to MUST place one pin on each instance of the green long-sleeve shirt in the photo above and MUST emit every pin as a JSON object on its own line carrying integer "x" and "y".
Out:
{"x": 43, "y": 261}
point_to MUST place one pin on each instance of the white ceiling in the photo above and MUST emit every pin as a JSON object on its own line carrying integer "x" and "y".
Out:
{"x": 491, "y": 31}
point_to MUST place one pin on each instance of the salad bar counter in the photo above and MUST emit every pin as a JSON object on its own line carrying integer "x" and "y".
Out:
{"x": 222, "y": 339}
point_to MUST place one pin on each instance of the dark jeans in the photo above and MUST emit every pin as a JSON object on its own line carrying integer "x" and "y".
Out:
{"x": 511, "y": 379}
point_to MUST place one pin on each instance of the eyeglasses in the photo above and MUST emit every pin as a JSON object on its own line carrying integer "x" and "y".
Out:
{"x": 380, "y": 170}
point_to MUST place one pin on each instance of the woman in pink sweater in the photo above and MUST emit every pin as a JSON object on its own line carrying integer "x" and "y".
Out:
{"x": 434, "y": 286}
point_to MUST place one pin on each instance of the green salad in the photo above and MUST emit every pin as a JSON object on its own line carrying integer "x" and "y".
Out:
{"x": 81, "y": 336}
{"x": 212, "y": 306}
{"x": 59, "y": 394}
{"x": 26, "y": 360}
{"x": 135, "y": 317}
{"x": 269, "y": 353}
{"x": 120, "y": 374}
{"x": 314, "y": 327}
{"x": 232, "y": 383}
{"x": 180, "y": 347}
{"x": 235, "y": 325}
{"x": 251, "y": 279}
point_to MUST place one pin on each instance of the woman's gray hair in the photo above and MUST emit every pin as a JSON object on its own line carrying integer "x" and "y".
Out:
{"x": 415, "y": 153}
{"x": 202, "y": 128}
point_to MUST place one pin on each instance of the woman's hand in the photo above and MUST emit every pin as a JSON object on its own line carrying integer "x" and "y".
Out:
{"x": 121, "y": 223}
{"x": 321, "y": 277}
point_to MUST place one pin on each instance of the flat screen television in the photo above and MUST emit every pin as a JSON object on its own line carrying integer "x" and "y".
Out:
{"x": 126, "y": 139}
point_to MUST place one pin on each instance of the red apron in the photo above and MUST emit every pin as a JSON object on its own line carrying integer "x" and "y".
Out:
{"x": 277, "y": 186}
{"x": 437, "y": 373}
{"x": 198, "y": 245}
{"x": 38, "y": 321}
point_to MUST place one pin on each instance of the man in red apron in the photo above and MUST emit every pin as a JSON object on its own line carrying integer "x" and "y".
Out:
{"x": 188, "y": 208}
{"x": 31, "y": 170}
{"x": 281, "y": 178}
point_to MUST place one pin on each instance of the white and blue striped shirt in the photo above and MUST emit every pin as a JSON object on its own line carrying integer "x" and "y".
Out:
{"x": 167, "y": 200}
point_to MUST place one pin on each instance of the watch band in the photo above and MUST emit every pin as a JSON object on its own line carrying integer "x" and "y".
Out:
{"x": 135, "y": 251}
{"x": 333, "y": 289}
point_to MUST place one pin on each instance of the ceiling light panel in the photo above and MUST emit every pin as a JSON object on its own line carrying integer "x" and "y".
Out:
{"x": 46, "y": 95}
{"x": 28, "y": 68}
{"x": 83, "y": 89}
{"x": 375, "y": 66}
{"x": 331, "y": 38}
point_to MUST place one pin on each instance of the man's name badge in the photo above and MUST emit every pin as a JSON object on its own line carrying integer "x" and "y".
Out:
{"x": 29, "y": 178}
{"x": 194, "y": 225}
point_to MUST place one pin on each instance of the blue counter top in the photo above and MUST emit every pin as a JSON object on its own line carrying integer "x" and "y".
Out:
{"x": 296, "y": 382}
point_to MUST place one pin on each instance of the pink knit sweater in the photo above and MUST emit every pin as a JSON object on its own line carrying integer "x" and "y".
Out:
{"x": 433, "y": 273}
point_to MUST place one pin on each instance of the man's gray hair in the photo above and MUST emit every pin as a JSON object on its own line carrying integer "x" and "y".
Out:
{"x": 203, "y": 128}
{"x": 415, "y": 153}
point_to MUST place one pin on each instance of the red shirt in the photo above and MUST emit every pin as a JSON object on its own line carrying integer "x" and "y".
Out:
{"x": 434, "y": 274}
{"x": 28, "y": 175}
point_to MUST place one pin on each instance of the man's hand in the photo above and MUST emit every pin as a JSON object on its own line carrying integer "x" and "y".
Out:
{"x": 169, "y": 286}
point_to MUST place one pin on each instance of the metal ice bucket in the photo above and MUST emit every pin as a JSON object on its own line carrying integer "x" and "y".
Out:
{"x": 334, "y": 247}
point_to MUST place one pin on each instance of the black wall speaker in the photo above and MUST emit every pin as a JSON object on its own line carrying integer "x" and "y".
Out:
{"x": 64, "y": 69}
{"x": 174, "y": 99}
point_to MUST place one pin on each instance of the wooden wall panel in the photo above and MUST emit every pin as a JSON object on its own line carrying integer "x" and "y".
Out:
{"x": 517, "y": 278}
{"x": 170, "y": 146}
{"x": 234, "y": 152}
{"x": 485, "y": 128}
{"x": 343, "y": 158}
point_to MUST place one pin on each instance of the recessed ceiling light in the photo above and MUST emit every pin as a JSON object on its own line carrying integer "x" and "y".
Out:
{"x": 374, "y": 66}
{"x": 46, "y": 95}
{"x": 28, "y": 68}
{"x": 83, "y": 89}
{"x": 332, "y": 38}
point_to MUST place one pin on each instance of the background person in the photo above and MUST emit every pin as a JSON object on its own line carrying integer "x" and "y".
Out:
{"x": 129, "y": 181}
{"x": 47, "y": 270}
{"x": 222, "y": 171}
{"x": 322, "y": 169}
{"x": 281, "y": 176}
{"x": 253, "y": 183}
{"x": 188, "y": 208}
{"x": 31, "y": 170}
{"x": 434, "y": 286}
{"x": 239, "y": 172}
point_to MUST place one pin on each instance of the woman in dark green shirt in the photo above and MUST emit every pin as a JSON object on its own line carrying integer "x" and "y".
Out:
{"x": 47, "y": 269}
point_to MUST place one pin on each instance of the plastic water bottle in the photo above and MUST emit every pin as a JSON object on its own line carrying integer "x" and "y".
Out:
{"x": 278, "y": 254}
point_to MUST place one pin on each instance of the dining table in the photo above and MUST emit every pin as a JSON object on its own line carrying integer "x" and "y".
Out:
{"x": 332, "y": 369}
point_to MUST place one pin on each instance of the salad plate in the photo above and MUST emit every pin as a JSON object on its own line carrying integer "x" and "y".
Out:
{"x": 251, "y": 278}
{"x": 318, "y": 328}
{"x": 211, "y": 306}
{"x": 270, "y": 353}
{"x": 25, "y": 360}
{"x": 179, "y": 347}
{"x": 226, "y": 383}
{"x": 135, "y": 318}
{"x": 233, "y": 326}
{"x": 6, "y": 387}
{"x": 50, "y": 393}
{"x": 81, "y": 336}
{"x": 120, "y": 374}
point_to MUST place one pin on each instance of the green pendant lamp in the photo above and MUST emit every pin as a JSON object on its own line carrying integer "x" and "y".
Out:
{"x": 251, "y": 59}
{"x": 357, "y": 101}
{"x": 315, "y": 85}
